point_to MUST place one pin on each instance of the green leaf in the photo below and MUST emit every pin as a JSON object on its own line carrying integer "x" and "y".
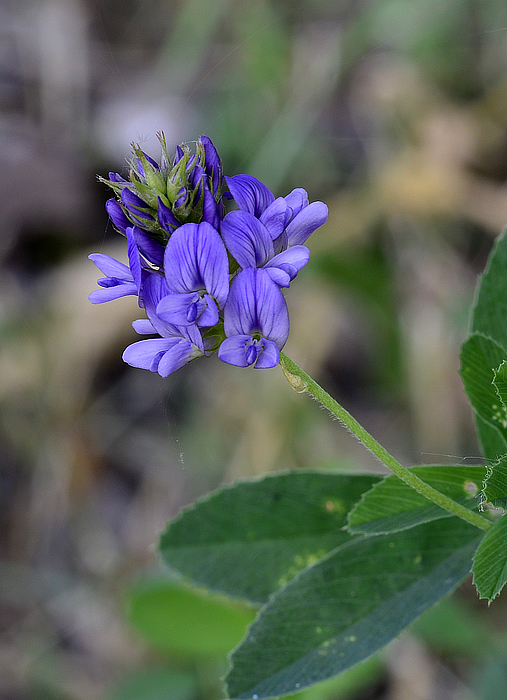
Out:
{"x": 154, "y": 684}
{"x": 480, "y": 357}
{"x": 177, "y": 618}
{"x": 347, "y": 606}
{"x": 489, "y": 318}
{"x": 453, "y": 627}
{"x": 500, "y": 382}
{"x": 348, "y": 684}
{"x": 251, "y": 538}
{"x": 490, "y": 309}
{"x": 391, "y": 505}
{"x": 490, "y": 561}
{"x": 495, "y": 482}
{"x": 492, "y": 443}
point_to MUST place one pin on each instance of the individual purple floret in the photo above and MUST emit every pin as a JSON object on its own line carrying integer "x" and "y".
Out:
{"x": 292, "y": 216}
{"x": 256, "y": 321}
{"x": 196, "y": 269}
{"x": 268, "y": 232}
{"x": 117, "y": 215}
{"x": 117, "y": 283}
{"x": 136, "y": 206}
{"x": 251, "y": 245}
{"x": 213, "y": 165}
{"x": 174, "y": 348}
{"x": 121, "y": 280}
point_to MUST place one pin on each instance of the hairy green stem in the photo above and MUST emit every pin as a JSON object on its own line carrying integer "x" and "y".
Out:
{"x": 302, "y": 382}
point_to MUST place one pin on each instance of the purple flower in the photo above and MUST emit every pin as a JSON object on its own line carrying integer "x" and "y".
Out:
{"x": 162, "y": 355}
{"x": 196, "y": 270}
{"x": 250, "y": 194}
{"x": 268, "y": 232}
{"x": 174, "y": 348}
{"x": 151, "y": 249}
{"x": 136, "y": 206}
{"x": 120, "y": 280}
{"x": 117, "y": 215}
{"x": 183, "y": 251}
{"x": 256, "y": 321}
{"x": 166, "y": 218}
{"x": 250, "y": 243}
{"x": 212, "y": 165}
{"x": 292, "y": 216}
{"x": 116, "y": 177}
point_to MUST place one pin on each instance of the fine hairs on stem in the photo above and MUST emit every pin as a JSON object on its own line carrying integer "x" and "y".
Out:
{"x": 302, "y": 382}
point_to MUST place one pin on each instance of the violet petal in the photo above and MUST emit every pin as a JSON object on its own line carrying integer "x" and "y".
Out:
{"x": 233, "y": 350}
{"x": 195, "y": 258}
{"x": 270, "y": 355}
{"x": 143, "y": 326}
{"x": 297, "y": 200}
{"x": 117, "y": 215}
{"x": 256, "y": 305}
{"x": 100, "y": 296}
{"x": 274, "y": 217}
{"x": 305, "y": 223}
{"x": 250, "y": 194}
{"x": 247, "y": 239}
{"x": 111, "y": 267}
{"x": 149, "y": 247}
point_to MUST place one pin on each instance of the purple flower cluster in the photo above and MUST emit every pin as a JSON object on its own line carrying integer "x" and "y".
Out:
{"x": 208, "y": 280}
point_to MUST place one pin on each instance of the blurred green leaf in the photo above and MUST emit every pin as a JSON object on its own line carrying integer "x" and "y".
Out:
{"x": 155, "y": 684}
{"x": 491, "y": 680}
{"x": 451, "y": 627}
{"x": 490, "y": 561}
{"x": 480, "y": 357}
{"x": 175, "y": 617}
{"x": 365, "y": 272}
{"x": 250, "y": 538}
{"x": 346, "y": 684}
{"x": 391, "y": 505}
{"x": 347, "y": 606}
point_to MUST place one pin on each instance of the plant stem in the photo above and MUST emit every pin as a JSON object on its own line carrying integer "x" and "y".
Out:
{"x": 301, "y": 382}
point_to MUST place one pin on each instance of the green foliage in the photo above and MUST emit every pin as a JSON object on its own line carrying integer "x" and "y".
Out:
{"x": 500, "y": 383}
{"x": 480, "y": 356}
{"x": 343, "y": 609}
{"x": 490, "y": 309}
{"x": 154, "y": 684}
{"x": 489, "y": 320}
{"x": 177, "y": 618}
{"x": 452, "y": 627}
{"x": 490, "y": 561}
{"x": 250, "y": 539}
{"x": 391, "y": 505}
{"x": 495, "y": 483}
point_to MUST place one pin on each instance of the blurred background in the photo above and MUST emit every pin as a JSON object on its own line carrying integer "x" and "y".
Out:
{"x": 394, "y": 112}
